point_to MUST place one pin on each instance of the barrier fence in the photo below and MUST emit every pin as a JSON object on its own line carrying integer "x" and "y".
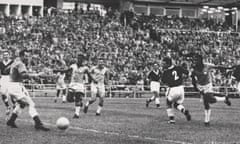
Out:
{"x": 124, "y": 91}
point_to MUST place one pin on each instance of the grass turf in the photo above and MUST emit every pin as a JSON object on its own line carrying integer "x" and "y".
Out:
{"x": 125, "y": 121}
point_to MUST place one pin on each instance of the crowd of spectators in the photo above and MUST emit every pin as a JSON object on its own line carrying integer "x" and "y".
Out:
{"x": 128, "y": 43}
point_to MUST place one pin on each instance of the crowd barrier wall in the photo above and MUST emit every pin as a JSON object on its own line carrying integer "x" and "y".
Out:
{"x": 124, "y": 91}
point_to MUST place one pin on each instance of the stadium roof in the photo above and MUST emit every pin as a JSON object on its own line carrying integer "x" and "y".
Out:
{"x": 196, "y": 2}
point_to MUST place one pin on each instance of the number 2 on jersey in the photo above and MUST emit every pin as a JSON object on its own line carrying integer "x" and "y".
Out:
{"x": 174, "y": 73}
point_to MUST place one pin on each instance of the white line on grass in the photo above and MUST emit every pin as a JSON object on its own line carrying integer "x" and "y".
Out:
{"x": 115, "y": 133}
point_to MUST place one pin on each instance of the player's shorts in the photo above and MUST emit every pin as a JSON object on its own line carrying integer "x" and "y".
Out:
{"x": 154, "y": 86}
{"x": 206, "y": 88}
{"x": 77, "y": 87}
{"x": 17, "y": 90}
{"x": 98, "y": 89}
{"x": 61, "y": 86}
{"x": 4, "y": 82}
{"x": 175, "y": 94}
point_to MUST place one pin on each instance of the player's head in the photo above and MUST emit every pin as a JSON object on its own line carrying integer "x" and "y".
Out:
{"x": 155, "y": 66}
{"x": 197, "y": 61}
{"x": 167, "y": 62}
{"x": 23, "y": 54}
{"x": 80, "y": 59}
{"x": 100, "y": 63}
{"x": 6, "y": 55}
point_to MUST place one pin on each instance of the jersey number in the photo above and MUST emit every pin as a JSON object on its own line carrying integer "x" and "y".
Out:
{"x": 176, "y": 77}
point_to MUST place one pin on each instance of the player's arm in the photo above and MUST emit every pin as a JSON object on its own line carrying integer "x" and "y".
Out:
{"x": 63, "y": 70}
{"x": 90, "y": 75}
{"x": 212, "y": 66}
{"x": 107, "y": 77}
{"x": 194, "y": 82}
{"x": 164, "y": 79}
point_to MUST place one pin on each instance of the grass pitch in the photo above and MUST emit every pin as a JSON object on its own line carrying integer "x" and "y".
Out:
{"x": 125, "y": 121}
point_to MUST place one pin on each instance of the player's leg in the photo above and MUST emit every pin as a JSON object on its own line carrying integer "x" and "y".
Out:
{"x": 78, "y": 103}
{"x": 222, "y": 98}
{"x": 154, "y": 91}
{"x": 170, "y": 110}
{"x": 57, "y": 95}
{"x": 92, "y": 99}
{"x": 101, "y": 91}
{"x": 178, "y": 104}
{"x": 27, "y": 101}
{"x": 208, "y": 98}
{"x": 16, "y": 111}
{"x": 6, "y": 103}
{"x": 64, "y": 97}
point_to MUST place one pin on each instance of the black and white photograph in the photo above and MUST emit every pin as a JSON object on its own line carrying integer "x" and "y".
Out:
{"x": 119, "y": 71}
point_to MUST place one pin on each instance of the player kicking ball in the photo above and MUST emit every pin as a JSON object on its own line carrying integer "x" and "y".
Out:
{"x": 101, "y": 75}
{"x": 201, "y": 79}
{"x": 173, "y": 78}
{"x": 17, "y": 91}
{"x": 76, "y": 86}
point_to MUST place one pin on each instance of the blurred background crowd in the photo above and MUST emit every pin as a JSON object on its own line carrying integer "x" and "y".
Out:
{"x": 128, "y": 43}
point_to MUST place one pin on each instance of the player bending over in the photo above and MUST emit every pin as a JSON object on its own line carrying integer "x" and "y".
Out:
{"x": 173, "y": 78}
{"x": 17, "y": 91}
{"x": 202, "y": 82}
{"x": 154, "y": 77}
{"x": 101, "y": 75}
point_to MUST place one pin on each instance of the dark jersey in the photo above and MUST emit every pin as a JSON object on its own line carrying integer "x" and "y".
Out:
{"x": 236, "y": 72}
{"x": 5, "y": 67}
{"x": 154, "y": 75}
{"x": 173, "y": 76}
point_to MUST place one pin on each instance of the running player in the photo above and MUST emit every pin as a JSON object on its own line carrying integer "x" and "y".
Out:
{"x": 17, "y": 91}
{"x": 4, "y": 71}
{"x": 76, "y": 86}
{"x": 61, "y": 87}
{"x": 202, "y": 82}
{"x": 154, "y": 77}
{"x": 173, "y": 78}
{"x": 101, "y": 75}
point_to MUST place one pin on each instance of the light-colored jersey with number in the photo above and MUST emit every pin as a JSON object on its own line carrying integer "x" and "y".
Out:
{"x": 78, "y": 74}
{"x": 99, "y": 74}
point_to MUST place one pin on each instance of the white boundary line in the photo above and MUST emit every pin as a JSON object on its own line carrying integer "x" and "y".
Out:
{"x": 114, "y": 133}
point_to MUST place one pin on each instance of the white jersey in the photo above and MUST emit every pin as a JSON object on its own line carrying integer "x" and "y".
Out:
{"x": 99, "y": 74}
{"x": 78, "y": 73}
{"x": 60, "y": 84}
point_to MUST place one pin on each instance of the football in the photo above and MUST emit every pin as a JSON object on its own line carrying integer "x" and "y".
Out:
{"x": 62, "y": 123}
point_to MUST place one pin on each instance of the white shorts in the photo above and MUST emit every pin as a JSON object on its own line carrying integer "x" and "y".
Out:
{"x": 61, "y": 86}
{"x": 4, "y": 82}
{"x": 98, "y": 88}
{"x": 206, "y": 88}
{"x": 175, "y": 94}
{"x": 77, "y": 87}
{"x": 155, "y": 86}
{"x": 17, "y": 91}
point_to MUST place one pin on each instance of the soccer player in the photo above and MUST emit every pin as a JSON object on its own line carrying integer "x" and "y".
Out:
{"x": 202, "y": 82}
{"x": 101, "y": 75}
{"x": 173, "y": 78}
{"x": 236, "y": 74}
{"x": 4, "y": 71}
{"x": 61, "y": 87}
{"x": 17, "y": 91}
{"x": 154, "y": 76}
{"x": 76, "y": 86}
